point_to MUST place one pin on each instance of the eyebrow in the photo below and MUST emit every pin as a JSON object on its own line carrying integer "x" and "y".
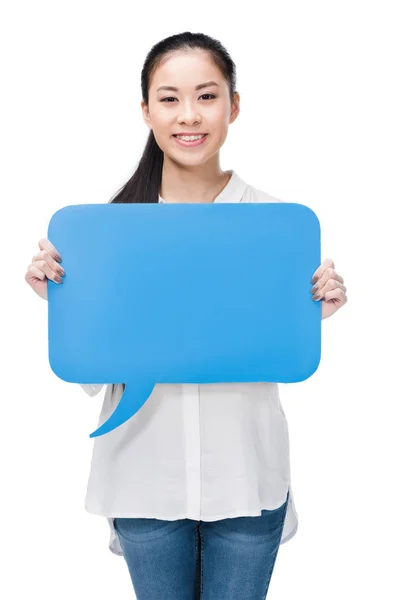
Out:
{"x": 198, "y": 87}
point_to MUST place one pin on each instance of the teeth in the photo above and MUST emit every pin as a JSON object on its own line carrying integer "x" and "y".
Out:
{"x": 189, "y": 138}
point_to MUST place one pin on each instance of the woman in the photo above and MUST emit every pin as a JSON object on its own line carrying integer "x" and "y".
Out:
{"x": 196, "y": 485}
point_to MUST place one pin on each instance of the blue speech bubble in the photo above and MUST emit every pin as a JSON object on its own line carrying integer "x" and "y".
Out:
{"x": 183, "y": 293}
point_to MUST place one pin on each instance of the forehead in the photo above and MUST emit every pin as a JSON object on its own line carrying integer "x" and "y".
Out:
{"x": 185, "y": 70}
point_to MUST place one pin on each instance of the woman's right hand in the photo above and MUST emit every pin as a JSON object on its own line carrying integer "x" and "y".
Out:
{"x": 45, "y": 265}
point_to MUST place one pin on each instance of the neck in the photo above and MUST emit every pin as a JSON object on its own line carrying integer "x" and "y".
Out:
{"x": 199, "y": 184}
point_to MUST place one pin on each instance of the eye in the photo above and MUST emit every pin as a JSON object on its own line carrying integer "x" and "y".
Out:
{"x": 172, "y": 97}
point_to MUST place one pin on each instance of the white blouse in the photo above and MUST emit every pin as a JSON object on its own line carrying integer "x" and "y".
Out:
{"x": 195, "y": 451}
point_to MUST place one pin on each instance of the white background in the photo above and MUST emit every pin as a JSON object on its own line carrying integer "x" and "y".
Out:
{"x": 319, "y": 125}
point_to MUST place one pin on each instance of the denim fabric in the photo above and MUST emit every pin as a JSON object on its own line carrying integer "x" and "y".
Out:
{"x": 228, "y": 559}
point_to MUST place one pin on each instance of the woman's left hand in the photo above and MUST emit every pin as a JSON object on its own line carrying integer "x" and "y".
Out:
{"x": 328, "y": 287}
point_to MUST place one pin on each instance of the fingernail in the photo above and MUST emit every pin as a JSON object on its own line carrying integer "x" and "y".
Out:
{"x": 314, "y": 289}
{"x": 58, "y": 258}
{"x": 58, "y": 279}
{"x": 314, "y": 279}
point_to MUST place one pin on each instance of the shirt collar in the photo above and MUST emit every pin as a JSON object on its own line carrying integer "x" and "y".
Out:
{"x": 232, "y": 192}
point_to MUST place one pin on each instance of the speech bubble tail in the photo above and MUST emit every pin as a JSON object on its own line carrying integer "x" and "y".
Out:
{"x": 133, "y": 398}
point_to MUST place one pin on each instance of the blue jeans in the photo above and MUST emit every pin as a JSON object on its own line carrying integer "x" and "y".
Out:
{"x": 228, "y": 559}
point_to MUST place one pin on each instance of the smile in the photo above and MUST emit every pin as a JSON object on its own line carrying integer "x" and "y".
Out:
{"x": 191, "y": 140}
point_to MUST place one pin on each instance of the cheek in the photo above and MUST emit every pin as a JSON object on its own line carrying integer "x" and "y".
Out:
{"x": 160, "y": 119}
{"x": 162, "y": 129}
{"x": 161, "y": 125}
{"x": 220, "y": 131}
{"x": 219, "y": 123}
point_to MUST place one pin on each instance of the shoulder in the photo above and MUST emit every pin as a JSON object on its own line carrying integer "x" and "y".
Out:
{"x": 253, "y": 194}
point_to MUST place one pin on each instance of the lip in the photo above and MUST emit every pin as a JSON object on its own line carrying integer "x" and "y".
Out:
{"x": 191, "y": 144}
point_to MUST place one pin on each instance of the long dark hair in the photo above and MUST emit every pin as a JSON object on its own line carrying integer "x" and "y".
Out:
{"x": 145, "y": 183}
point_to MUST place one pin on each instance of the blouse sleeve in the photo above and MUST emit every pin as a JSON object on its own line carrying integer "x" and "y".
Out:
{"x": 92, "y": 388}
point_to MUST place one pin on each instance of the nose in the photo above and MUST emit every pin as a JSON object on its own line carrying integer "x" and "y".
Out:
{"x": 189, "y": 114}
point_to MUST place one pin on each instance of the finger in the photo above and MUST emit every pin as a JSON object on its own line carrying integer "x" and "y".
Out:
{"x": 329, "y": 273}
{"x": 32, "y": 270}
{"x": 328, "y": 262}
{"x": 43, "y": 265}
{"x": 329, "y": 276}
{"x": 45, "y": 244}
{"x": 330, "y": 285}
{"x": 336, "y": 293}
{"x": 53, "y": 264}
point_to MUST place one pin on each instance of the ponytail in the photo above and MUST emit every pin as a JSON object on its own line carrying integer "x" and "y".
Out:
{"x": 144, "y": 185}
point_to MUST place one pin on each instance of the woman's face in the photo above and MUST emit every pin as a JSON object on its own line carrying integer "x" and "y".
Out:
{"x": 187, "y": 110}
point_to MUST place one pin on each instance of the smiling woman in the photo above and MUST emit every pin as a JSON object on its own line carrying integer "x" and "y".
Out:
{"x": 188, "y": 89}
{"x": 196, "y": 460}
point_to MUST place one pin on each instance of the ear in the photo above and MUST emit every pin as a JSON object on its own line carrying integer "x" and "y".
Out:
{"x": 145, "y": 113}
{"x": 235, "y": 108}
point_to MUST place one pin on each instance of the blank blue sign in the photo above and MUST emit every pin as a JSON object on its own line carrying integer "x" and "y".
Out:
{"x": 183, "y": 293}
